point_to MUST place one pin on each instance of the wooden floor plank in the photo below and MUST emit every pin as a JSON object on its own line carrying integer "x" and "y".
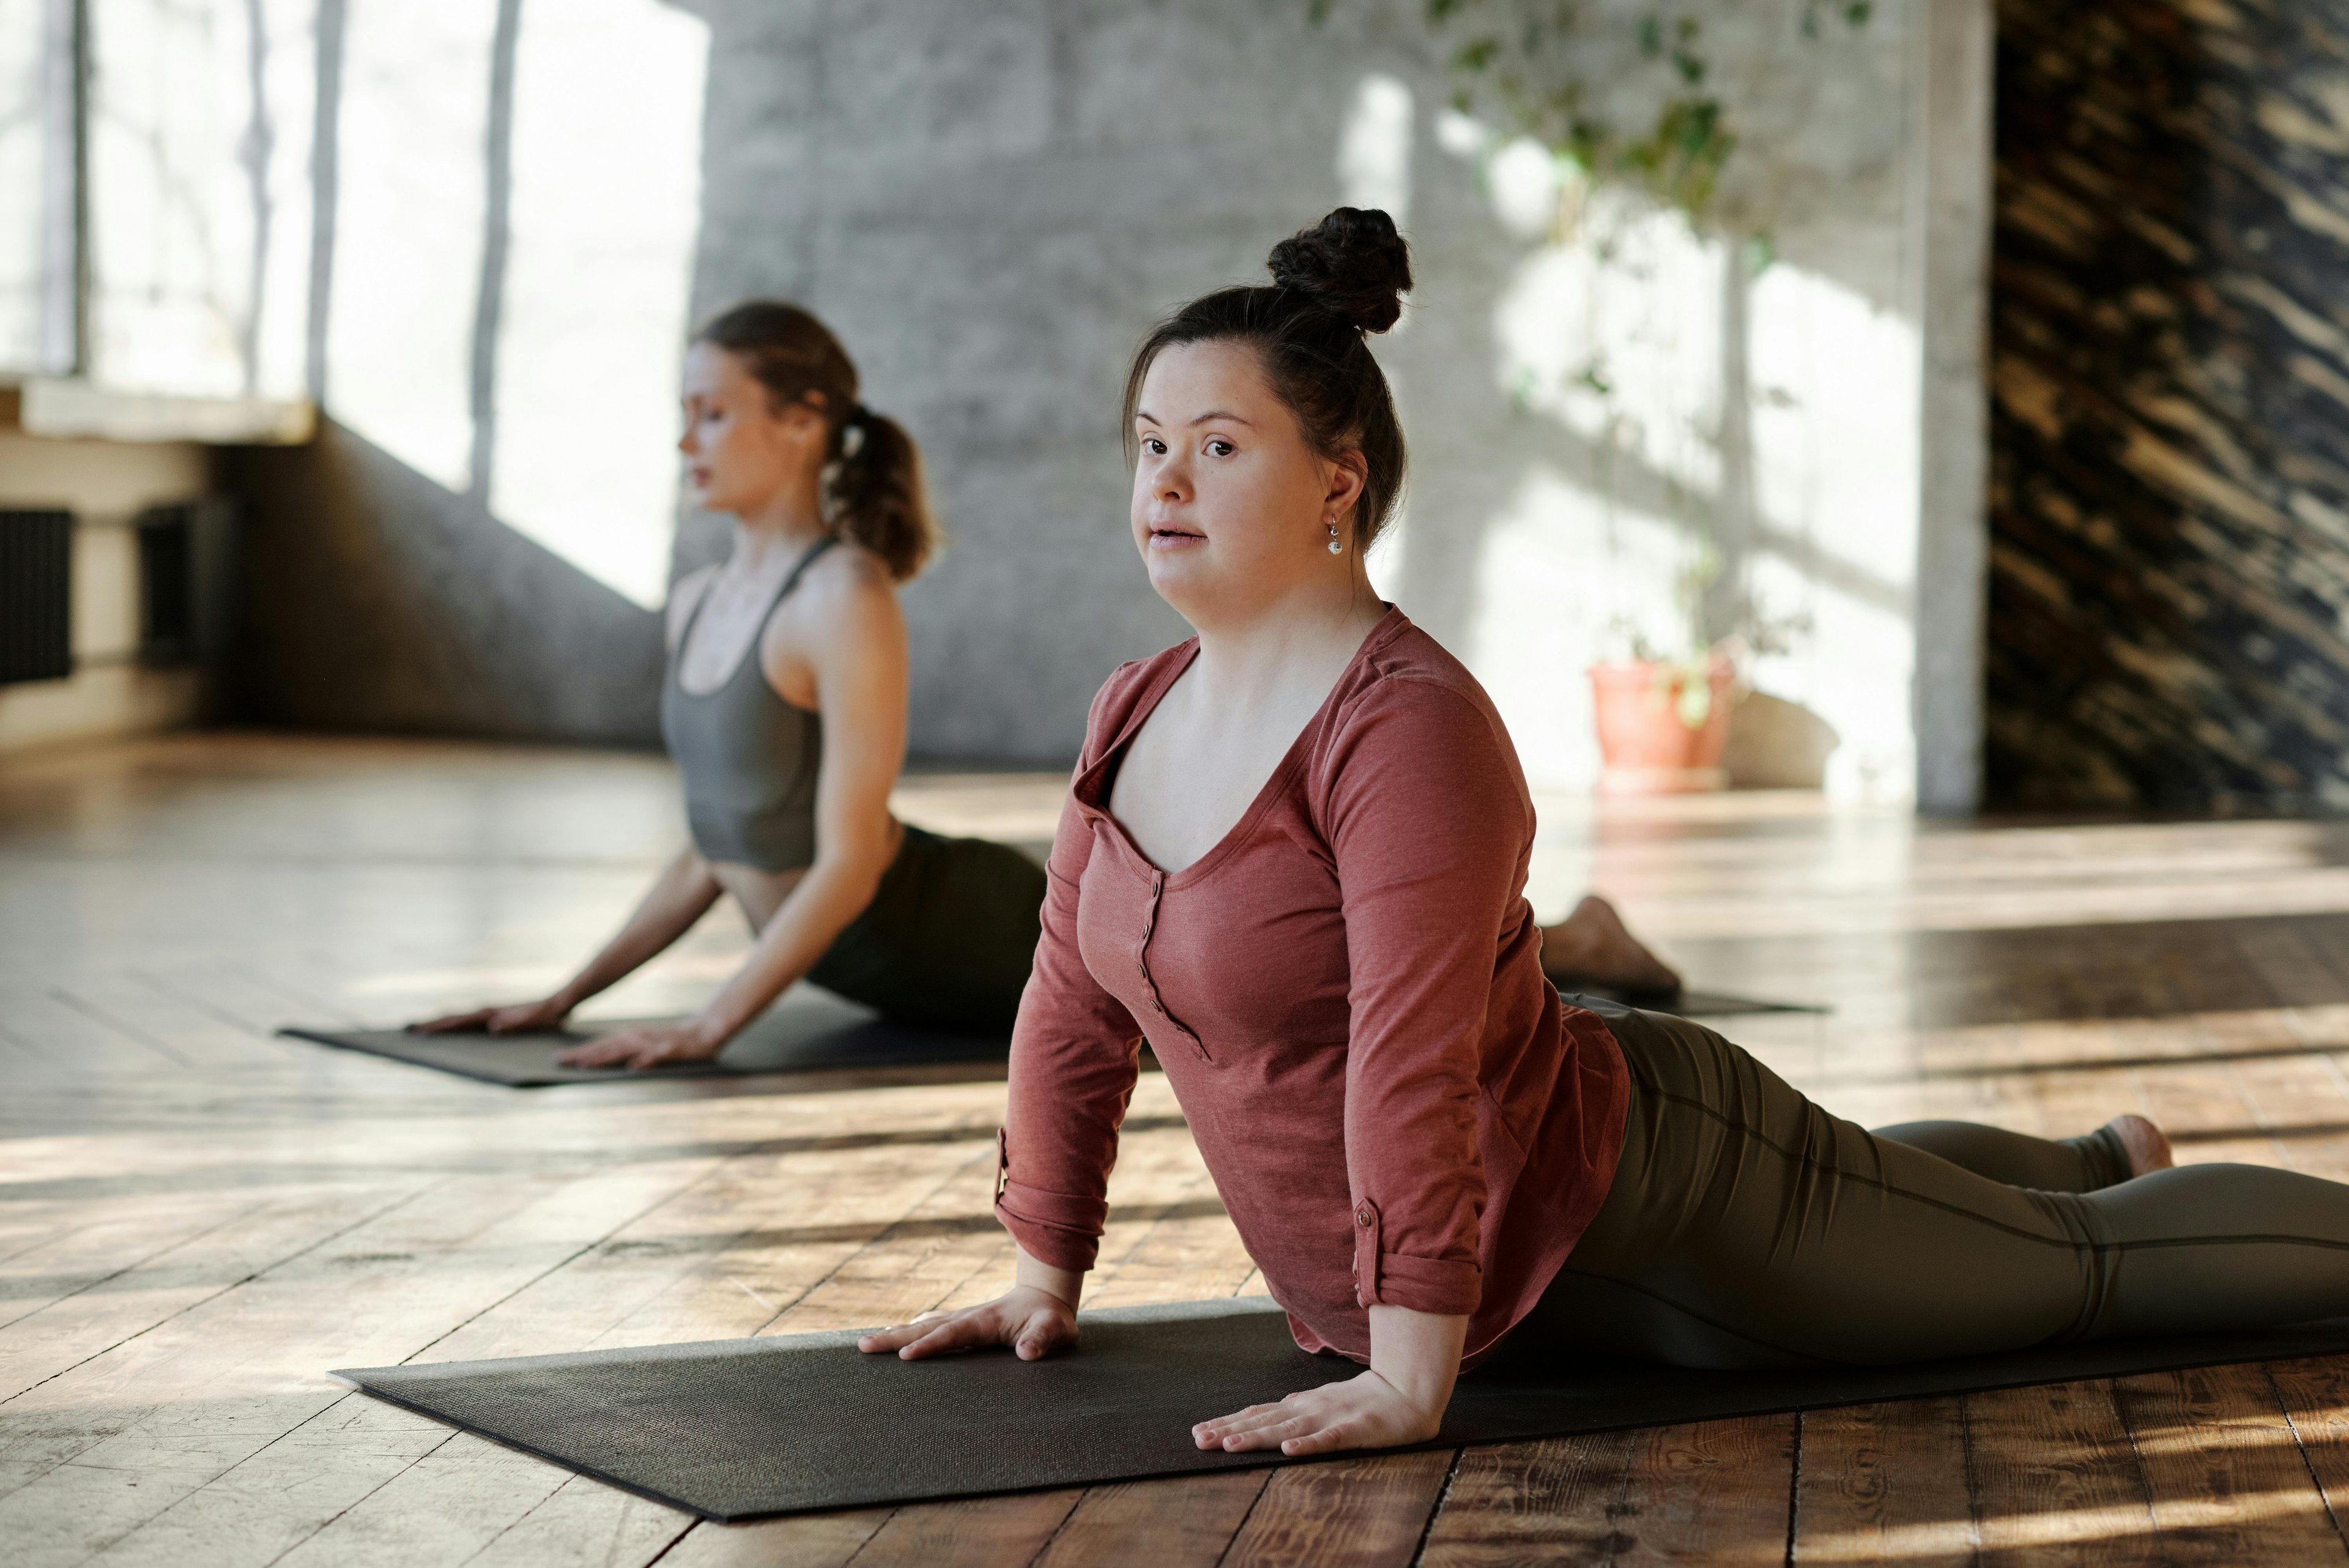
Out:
{"x": 65, "y": 1332}
{"x": 1556, "y": 1500}
{"x": 804, "y": 1541}
{"x": 1885, "y": 1483}
{"x": 325, "y": 1466}
{"x": 104, "y": 1450}
{"x": 1367, "y": 1512}
{"x": 447, "y": 1507}
{"x": 1719, "y": 1493}
{"x": 1178, "y": 1522}
{"x": 2314, "y": 1396}
{"x": 2225, "y": 1470}
{"x": 2056, "y": 1479}
{"x": 981, "y": 1532}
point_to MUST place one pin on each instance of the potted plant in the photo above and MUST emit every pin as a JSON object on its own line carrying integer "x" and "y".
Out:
{"x": 1662, "y": 721}
{"x": 1662, "y": 716}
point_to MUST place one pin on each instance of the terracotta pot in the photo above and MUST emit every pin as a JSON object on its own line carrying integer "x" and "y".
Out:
{"x": 1646, "y": 747}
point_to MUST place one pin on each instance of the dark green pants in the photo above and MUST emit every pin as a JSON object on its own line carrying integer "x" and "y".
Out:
{"x": 948, "y": 940}
{"x": 1748, "y": 1227}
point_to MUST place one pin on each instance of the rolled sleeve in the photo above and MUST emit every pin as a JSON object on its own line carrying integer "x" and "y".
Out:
{"x": 1444, "y": 1285}
{"x": 1062, "y": 1229}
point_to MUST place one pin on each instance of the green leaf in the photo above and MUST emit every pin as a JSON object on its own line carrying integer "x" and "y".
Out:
{"x": 1477, "y": 55}
{"x": 1652, "y": 35}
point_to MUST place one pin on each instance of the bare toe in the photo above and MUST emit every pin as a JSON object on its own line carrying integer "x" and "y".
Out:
{"x": 2147, "y": 1146}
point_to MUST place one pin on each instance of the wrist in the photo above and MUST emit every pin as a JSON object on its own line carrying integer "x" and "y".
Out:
{"x": 1417, "y": 1354}
{"x": 1064, "y": 1285}
{"x": 710, "y": 1033}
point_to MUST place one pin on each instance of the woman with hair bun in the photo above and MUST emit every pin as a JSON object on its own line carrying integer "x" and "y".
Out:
{"x": 784, "y": 708}
{"x": 1293, "y": 858}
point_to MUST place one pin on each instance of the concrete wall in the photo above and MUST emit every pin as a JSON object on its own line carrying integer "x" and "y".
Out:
{"x": 105, "y": 484}
{"x": 991, "y": 202}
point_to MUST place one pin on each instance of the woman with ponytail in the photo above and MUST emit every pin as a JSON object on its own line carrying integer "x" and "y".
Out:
{"x": 784, "y": 707}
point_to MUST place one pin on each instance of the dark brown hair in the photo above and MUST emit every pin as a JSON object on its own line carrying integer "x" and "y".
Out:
{"x": 873, "y": 494}
{"x": 1330, "y": 284}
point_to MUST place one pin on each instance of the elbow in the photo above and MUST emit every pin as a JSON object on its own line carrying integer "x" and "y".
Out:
{"x": 854, "y": 869}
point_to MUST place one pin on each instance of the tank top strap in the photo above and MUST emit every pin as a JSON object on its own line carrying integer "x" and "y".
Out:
{"x": 693, "y": 616}
{"x": 792, "y": 580}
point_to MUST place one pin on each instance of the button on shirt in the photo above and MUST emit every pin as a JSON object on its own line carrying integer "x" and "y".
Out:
{"x": 1346, "y": 993}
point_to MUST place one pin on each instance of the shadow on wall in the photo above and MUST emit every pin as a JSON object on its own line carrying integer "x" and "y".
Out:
{"x": 1608, "y": 404}
{"x": 378, "y": 600}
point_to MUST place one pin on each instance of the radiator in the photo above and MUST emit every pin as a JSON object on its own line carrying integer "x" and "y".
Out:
{"x": 36, "y": 596}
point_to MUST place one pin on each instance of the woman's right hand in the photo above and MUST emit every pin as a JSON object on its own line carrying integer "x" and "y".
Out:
{"x": 1034, "y": 1323}
{"x": 522, "y": 1018}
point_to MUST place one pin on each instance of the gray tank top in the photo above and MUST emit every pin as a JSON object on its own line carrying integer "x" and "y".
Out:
{"x": 750, "y": 759}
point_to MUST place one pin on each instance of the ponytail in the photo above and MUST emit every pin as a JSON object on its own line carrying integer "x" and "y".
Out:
{"x": 873, "y": 494}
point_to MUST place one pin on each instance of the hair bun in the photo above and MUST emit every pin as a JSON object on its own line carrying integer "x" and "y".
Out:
{"x": 1352, "y": 263}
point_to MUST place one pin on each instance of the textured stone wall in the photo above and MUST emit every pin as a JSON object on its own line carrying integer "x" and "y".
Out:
{"x": 991, "y": 201}
{"x": 2169, "y": 600}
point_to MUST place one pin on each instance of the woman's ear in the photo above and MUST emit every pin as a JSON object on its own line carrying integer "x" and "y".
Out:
{"x": 1348, "y": 472}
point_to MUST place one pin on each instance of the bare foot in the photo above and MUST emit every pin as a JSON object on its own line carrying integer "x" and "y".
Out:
{"x": 2149, "y": 1148}
{"x": 1593, "y": 946}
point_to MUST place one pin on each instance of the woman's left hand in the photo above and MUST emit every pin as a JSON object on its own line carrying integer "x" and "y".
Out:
{"x": 647, "y": 1046}
{"x": 1364, "y": 1412}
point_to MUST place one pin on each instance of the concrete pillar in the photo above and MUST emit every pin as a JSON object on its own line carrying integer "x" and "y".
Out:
{"x": 1949, "y": 224}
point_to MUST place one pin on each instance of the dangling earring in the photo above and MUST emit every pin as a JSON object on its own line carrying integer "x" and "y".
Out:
{"x": 1335, "y": 547}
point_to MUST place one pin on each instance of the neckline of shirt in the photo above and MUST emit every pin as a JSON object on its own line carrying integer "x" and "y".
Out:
{"x": 1088, "y": 788}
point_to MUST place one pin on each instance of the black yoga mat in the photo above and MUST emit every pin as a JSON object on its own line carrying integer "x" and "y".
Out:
{"x": 1694, "y": 1003}
{"x": 805, "y": 1032}
{"x": 737, "y": 1428}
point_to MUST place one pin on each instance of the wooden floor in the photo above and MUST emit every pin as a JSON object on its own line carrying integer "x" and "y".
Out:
{"x": 197, "y": 1219}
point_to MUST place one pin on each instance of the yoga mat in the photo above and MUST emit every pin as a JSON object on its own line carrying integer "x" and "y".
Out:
{"x": 738, "y": 1429}
{"x": 1692, "y": 1004}
{"x": 804, "y": 1033}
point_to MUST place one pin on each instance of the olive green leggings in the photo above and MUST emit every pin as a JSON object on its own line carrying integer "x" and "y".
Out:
{"x": 948, "y": 939}
{"x": 1748, "y": 1227}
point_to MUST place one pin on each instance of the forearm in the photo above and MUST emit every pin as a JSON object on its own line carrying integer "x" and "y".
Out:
{"x": 826, "y": 900}
{"x": 1419, "y": 1352}
{"x": 682, "y": 895}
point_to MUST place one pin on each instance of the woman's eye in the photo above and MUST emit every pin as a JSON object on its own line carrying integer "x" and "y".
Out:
{"x": 1220, "y": 448}
{"x": 1153, "y": 446}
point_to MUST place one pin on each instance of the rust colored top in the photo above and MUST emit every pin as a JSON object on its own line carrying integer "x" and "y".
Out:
{"x": 1346, "y": 993}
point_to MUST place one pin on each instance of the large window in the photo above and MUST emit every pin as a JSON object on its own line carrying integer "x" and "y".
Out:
{"x": 36, "y": 187}
{"x": 467, "y": 228}
{"x": 200, "y": 130}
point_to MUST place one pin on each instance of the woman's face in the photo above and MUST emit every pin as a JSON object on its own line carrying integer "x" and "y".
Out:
{"x": 741, "y": 449}
{"x": 1231, "y": 506}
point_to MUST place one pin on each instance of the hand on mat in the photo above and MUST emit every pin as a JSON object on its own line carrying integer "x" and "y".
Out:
{"x": 1033, "y": 1323}
{"x": 1364, "y": 1412}
{"x": 645, "y": 1045}
{"x": 520, "y": 1019}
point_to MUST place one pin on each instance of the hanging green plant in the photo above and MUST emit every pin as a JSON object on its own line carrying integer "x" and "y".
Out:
{"x": 1519, "y": 63}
